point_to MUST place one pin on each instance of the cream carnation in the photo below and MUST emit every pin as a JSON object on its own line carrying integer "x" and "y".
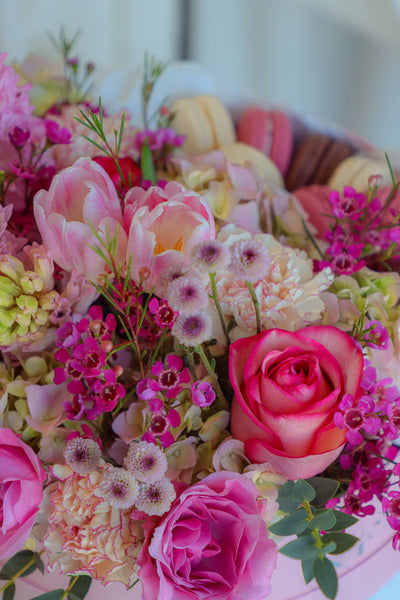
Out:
{"x": 289, "y": 295}
{"x": 86, "y": 534}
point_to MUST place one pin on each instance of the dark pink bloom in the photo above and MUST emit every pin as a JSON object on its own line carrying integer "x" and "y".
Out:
{"x": 21, "y": 492}
{"x": 202, "y": 394}
{"x": 57, "y": 134}
{"x": 212, "y": 544}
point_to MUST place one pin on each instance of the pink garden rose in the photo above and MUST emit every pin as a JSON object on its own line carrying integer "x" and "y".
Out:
{"x": 21, "y": 478}
{"x": 80, "y": 197}
{"x": 212, "y": 544}
{"x": 287, "y": 388}
{"x": 164, "y": 226}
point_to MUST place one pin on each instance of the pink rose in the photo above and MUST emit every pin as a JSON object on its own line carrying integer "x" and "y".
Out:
{"x": 212, "y": 544}
{"x": 21, "y": 478}
{"x": 287, "y": 388}
{"x": 81, "y": 198}
{"x": 164, "y": 226}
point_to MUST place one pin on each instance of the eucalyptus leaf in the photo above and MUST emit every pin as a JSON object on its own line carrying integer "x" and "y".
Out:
{"x": 326, "y": 577}
{"x": 325, "y": 520}
{"x": 343, "y": 521}
{"x": 286, "y": 503}
{"x": 343, "y": 541}
{"x": 39, "y": 563}
{"x": 9, "y": 592}
{"x": 303, "y": 491}
{"x": 292, "y": 524}
{"x": 80, "y": 588}
{"x": 325, "y": 489}
{"x": 57, "y": 594}
{"x": 308, "y": 569}
{"x": 303, "y": 548}
{"x": 15, "y": 564}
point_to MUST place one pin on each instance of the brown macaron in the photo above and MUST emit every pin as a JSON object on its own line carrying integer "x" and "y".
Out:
{"x": 315, "y": 160}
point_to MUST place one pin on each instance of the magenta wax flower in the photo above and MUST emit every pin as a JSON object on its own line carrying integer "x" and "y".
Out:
{"x": 57, "y": 134}
{"x": 212, "y": 544}
{"x": 202, "y": 394}
{"x": 172, "y": 377}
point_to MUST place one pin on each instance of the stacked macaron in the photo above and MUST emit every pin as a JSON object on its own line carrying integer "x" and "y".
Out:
{"x": 305, "y": 159}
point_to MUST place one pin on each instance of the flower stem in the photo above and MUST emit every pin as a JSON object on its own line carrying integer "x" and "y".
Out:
{"x": 256, "y": 303}
{"x": 218, "y": 307}
{"x": 199, "y": 349}
{"x": 192, "y": 367}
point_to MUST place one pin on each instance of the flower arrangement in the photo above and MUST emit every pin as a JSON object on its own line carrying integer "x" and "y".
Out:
{"x": 199, "y": 328}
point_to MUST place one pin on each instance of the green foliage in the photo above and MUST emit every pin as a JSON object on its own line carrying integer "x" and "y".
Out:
{"x": 9, "y": 592}
{"x": 79, "y": 587}
{"x": 326, "y": 577}
{"x": 319, "y": 530}
{"x": 57, "y": 594}
{"x": 147, "y": 165}
{"x": 22, "y": 561}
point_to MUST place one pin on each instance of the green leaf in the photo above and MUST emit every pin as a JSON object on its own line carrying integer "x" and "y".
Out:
{"x": 323, "y": 521}
{"x": 328, "y": 548}
{"x": 292, "y": 524}
{"x": 303, "y": 548}
{"x": 286, "y": 503}
{"x": 324, "y": 488}
{"x": 343, "y": 521}
{"x": 80, "y": 588}
{"x": 147, "y": 166}
{"x": 18, "y": 562}
{"x": 326, "y": 577}
{"x": 343, "y": 541}
{"x": 308, "y": 569}
{"x": 39, "y": 563}
{"x": 57, "y": 594}
{"x": 303, "y": 491}
{"x": 9, "y": 592}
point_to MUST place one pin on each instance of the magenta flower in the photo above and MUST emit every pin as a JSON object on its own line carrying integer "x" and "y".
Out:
{"x": 57, "y": 134}
{"x": 108, "y": 392}
{"x": 172, "y": 378}
{"x": 213, "y": 543}
{"x": 202, "y": 394}
{"x": 356, "y": 415}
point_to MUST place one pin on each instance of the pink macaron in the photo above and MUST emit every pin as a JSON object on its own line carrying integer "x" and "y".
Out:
{"x": 315, "y": 201}
{"x": 270, "y": 131}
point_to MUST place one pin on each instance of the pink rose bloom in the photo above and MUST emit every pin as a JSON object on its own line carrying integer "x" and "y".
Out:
{"x": 287, "y": 389}
{"x": 21, "y": 478}
{"x": 81, "y": 198}
{"x": 164, "y": 226}
{"x": 212, "y": 544}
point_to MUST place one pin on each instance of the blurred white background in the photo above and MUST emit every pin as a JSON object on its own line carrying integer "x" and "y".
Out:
{"x": 337, "y": 59}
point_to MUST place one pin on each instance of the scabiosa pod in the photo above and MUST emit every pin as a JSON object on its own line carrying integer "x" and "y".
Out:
{"x": 250, "y": 260}
{"x": 119, "y": 487}
{"x": 193, "y": 330}
{"x": 187, "y": 295}
{"x": 210, "y": 256}
{"x": 155, "y": 498}
{"x": 146, "y": 462}
{"x": 82, "y": 454}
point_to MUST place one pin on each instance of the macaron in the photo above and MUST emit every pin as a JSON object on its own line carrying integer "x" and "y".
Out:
{"x": 204, "y": 121}
{"x": 315, "y": 201}
{"x": 356, "y": 170}
{"x": 315, "y": 159}
{"x": 244, "y": 155}
{"x": 270, "y": 132}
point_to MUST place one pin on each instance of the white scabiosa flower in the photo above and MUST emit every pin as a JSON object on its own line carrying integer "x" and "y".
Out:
{"x": 155, "y": 498}
{"x": 82, "y": 455}
{"x": 249, "y": 260}
{"x": 146, "y": 462}
{"x": 187, "y": 295}
{"x": 119, "y": 487}
{"x": 192, "y": 330}
{"x": 210, "y": 256}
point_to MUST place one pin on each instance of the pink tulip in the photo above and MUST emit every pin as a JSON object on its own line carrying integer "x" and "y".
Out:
{"x": 164, "y": 227}
{"x": 81, "y": 199}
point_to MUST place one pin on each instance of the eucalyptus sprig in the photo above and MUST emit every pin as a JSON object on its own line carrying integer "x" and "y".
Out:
{"x": 319, "y": 530}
